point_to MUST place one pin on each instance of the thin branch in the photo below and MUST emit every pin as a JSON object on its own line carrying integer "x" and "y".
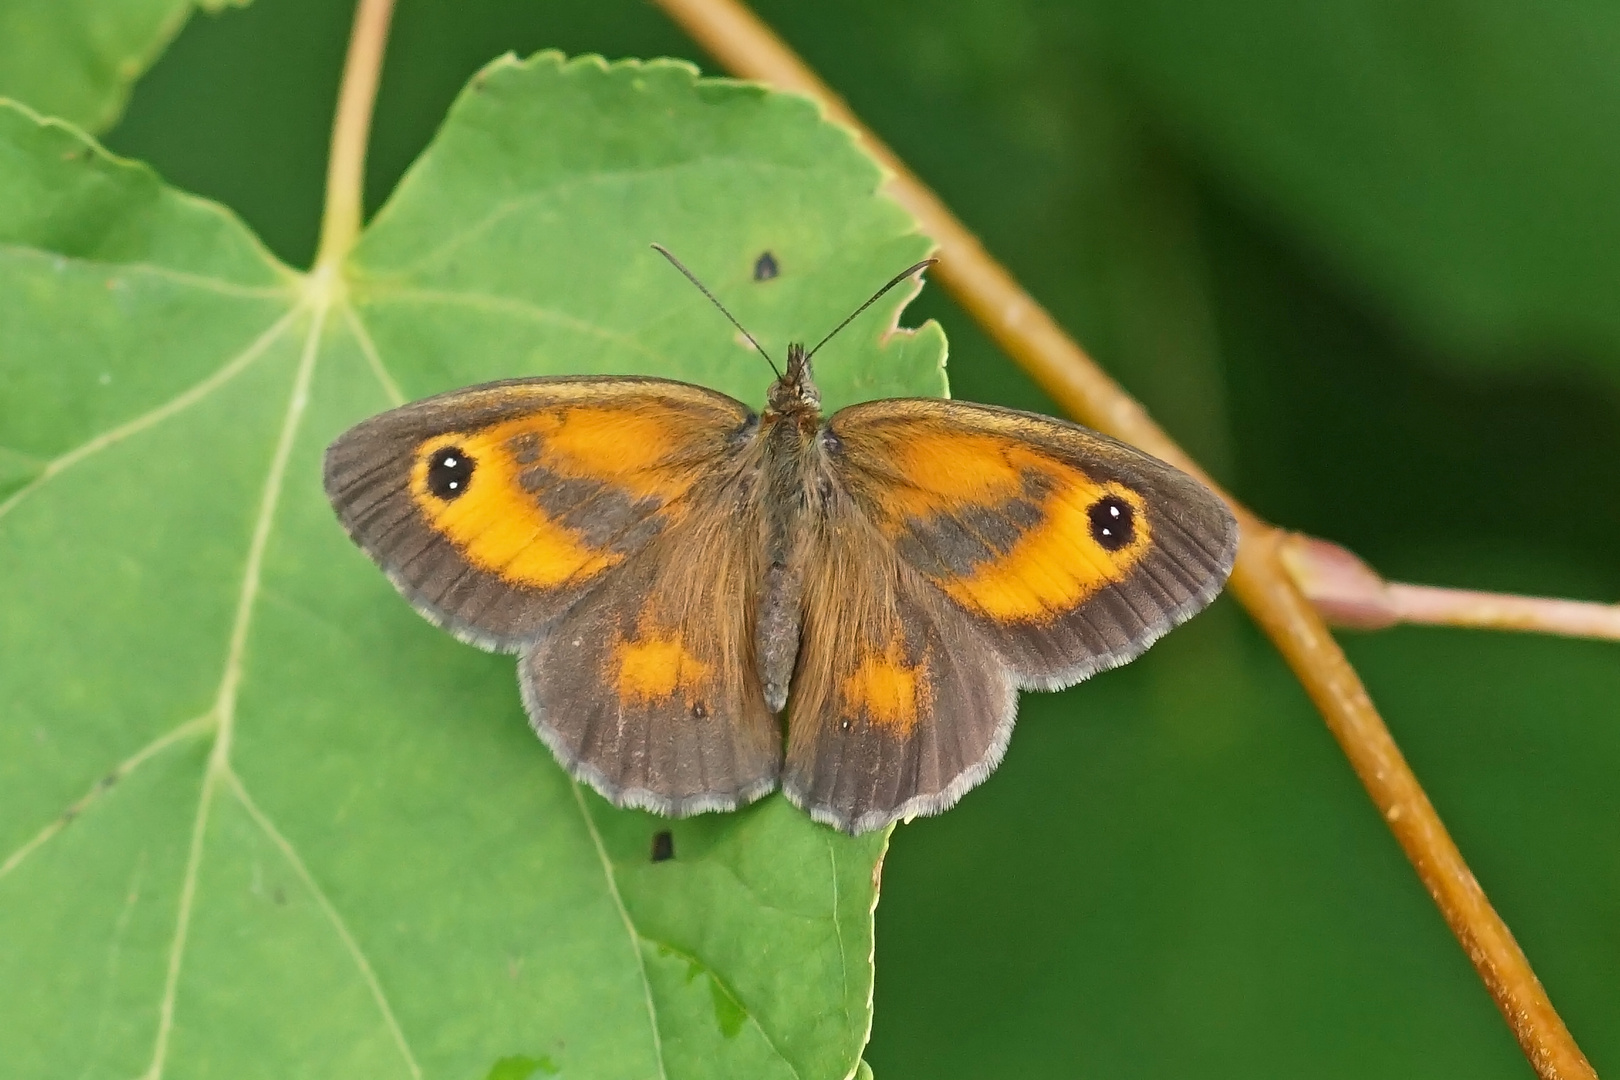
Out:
{"x": 351, "y": 128}
{"x": 1264, "y": 587}
{"x": 1348, "y": 592}
{"x": 1504, "y": 611}
{"x": 748, "y": 48}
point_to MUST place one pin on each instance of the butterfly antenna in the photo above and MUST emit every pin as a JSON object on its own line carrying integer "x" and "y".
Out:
{"x": 665, "y": 252}
{"x": 898, "y": 278}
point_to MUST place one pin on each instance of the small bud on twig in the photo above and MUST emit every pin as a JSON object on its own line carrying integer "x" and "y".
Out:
{"x": 1347, "y": 592}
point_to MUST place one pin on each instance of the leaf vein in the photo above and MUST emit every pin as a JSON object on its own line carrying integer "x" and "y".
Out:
{"x": 368, "y": 346}
{"x": 726, "y": 990}
{"x": 224, "y": 711}
{"x": 505, "y": 208}
{"x": 629, "y": 926}
{"x": 512, "y": 306}
{"x": 74, "y": 810}
{"x": 115, "y": 950}
{"x": 218, "y": 286}
{"x": 838, "y": 932}
{"x": 182, "y": 925}
{"x": 367, "y": 973}
{"x": 179, "y": 403}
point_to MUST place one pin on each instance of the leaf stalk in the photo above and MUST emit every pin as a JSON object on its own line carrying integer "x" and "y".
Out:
{"x": 351, "y": 131}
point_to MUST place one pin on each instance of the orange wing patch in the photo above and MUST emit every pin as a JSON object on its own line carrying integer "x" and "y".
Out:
{"x": 629, "y": 445}
{"x": 499, "y": 518}
{"x": 1001, "y": 527}
{"x": 1057, "y": 563}
{"x": 943, "y": 467}
{"x": 887, "y": 689}
{"x": 655, "y": 667}
{"x": 495, "y": 524}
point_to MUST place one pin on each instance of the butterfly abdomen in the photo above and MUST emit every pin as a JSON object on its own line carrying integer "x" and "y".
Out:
{"x": 792, "y": 467}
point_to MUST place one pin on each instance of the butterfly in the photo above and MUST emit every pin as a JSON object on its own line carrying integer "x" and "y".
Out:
{"x": 677, "y": 572}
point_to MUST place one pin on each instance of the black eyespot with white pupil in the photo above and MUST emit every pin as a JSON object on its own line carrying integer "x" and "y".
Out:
{"x": 1113, "y": 522}
{"x": 449, "y": 472}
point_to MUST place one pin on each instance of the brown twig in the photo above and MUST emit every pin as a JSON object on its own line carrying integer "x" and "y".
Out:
{"x": 1348, "y": 592}
{"x": 746, "y": 47}
{"x": 351, "y": 128}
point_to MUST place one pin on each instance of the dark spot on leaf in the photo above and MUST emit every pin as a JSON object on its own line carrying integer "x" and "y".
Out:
{"x": 1113, "y": 522}
{"x": 663, "y": 846}
{"x": 765, "y": 267}
{"x": 449, "y": 472}
{"x": 107, "y": 781}
{"x": 279, "y": 896}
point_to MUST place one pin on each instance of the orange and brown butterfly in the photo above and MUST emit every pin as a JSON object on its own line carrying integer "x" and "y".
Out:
{"x": 678, "y": 572}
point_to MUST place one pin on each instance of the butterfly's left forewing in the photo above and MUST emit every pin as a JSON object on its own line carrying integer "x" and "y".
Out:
{"x": 1069, "y": 551}
{"x": 970, "y": 550}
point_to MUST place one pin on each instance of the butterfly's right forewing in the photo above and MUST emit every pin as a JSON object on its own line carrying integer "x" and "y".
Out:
{"x": 599, "y": 527}
{"x": 493, "y": 509}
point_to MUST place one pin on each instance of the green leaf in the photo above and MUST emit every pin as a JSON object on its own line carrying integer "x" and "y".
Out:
{"x": 257, "y": 818}
{"x": 521, "y": 1068}
{"x": 77, "y": 59}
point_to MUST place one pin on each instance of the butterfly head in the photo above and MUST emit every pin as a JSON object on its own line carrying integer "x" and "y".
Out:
{"x": 795, "y": 391}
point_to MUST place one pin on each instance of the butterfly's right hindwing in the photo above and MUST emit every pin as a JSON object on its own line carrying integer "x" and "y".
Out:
{"x": 646, "y": 689}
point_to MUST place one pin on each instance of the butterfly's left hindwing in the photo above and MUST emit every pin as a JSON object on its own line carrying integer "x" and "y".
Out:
{"x": 898, "y": 704}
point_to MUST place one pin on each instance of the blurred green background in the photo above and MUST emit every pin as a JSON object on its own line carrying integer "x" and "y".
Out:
{"x": 1364, "y": 258}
